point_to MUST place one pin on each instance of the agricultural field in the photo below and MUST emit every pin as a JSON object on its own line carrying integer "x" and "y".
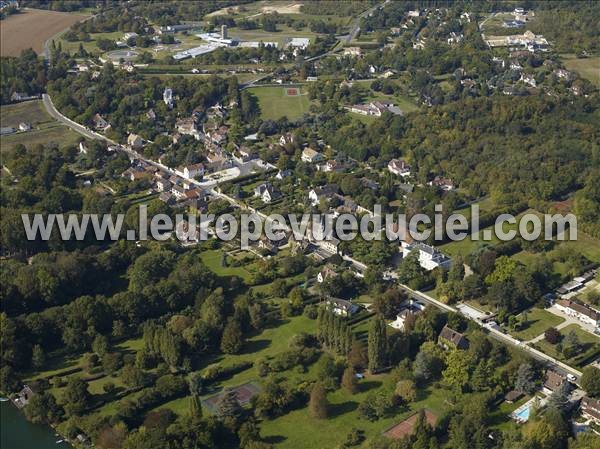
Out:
{"x": 277, "y": 102}
{"x": 45, "y": 130}
{"x": 588, "y": 68}
{"x": 31, "y": 28}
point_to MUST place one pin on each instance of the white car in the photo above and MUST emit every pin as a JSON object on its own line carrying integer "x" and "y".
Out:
{"x": 571, "y": 378}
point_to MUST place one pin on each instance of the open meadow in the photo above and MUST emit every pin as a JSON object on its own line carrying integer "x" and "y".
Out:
{"x": 45, "y": 130}
{"x": 588, "y": 68}
{"x": 31, "y": 28}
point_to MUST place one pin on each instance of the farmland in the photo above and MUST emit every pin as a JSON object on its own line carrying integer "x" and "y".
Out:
{"x": 31, "y": 28}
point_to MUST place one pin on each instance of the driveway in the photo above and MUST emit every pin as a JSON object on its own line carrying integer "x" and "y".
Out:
{"x": 570, "y": 320}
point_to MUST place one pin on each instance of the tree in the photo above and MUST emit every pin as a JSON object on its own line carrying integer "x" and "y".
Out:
{"x": 195, "y": 407}
{"x": 389, "y": 303}
{"x": 38, "y": 357}
{"x": 349, "y": 381}
{"x": 552, "y": 335}
{"x": 76, "y": 397}
{"x": 571, "y": 344}
{"x": 377, "y": 344}
{"x": 228, "y": 407}
{"x": 318, "y": 405}
{"x": 407, "y": 390}
{"x": 358, "y": 357}
{"x": 526, "y": 379}
{"x": 428, "y": 362}
{"x": 232, "y": 339}
{"x": 456, "y": 373}
{"x": 100, "y": 345}
{"x": 43, "y": 409}
{"x": 590, "y": 380}
{"x": 559, "y": 399}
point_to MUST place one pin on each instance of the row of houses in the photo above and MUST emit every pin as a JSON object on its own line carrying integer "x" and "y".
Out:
{"x": 375, "y": 108}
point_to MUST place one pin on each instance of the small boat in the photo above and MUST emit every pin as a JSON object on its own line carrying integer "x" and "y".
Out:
{"x": 4, "y": 399}
{"x": 59, "y": 441}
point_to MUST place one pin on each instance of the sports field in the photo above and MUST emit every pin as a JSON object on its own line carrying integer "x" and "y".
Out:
{"x": 277, "y": 102}
{"x": 31, "y": 28}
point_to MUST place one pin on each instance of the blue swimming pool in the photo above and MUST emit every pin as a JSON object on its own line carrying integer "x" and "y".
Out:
{"x": 523, "y": 415}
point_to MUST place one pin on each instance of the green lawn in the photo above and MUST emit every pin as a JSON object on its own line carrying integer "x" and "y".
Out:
{"x": 45, "y": 130}
{"x": 271, "y": 341}
{"x": 298, "y": 430}
{"x": 590, "y": 342}
{"x": 212, "y": 259}
{"x": 538, "y": 320}
{"x": 588, "y": 68}
{"x": 275, "y": 103}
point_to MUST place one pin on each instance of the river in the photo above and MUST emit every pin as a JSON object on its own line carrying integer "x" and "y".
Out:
{"x": 18, "y": 433}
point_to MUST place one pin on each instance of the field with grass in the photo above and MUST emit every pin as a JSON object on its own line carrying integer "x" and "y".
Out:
{"x": 590, "y": 343}
{"x": 45, "y": 130}
{"x": 31, "y": 28}
{"x": 538, "y": 320}
{"x": 275, "y": 103}
{"x": 588, "y": 68}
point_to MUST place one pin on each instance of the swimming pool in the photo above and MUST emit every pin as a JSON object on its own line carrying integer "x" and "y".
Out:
{"x": 523, "y": 414}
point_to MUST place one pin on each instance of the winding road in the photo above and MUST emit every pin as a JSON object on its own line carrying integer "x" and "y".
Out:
{"x": 500, "y": 336}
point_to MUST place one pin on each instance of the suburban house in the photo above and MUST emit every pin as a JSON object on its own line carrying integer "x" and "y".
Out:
{"x": 272, "y": 245}
{"x": 99, "y": 123}
{"x": 135, "y": 173}
{"x": 564, "y": 74}
{"x": 411, "y": 308}
{"x": 266, "y": 192}
{"x": 187, "y": 126}
{"x": 590, "y": 409}
{"x": 352, "y": 51}
{"x": 178, "y": 192}
{"x": 244, "y": 154}
{"x": 326, "y": 273}
{"x": 191, "y": 171}
{"x": 399, "y": 167}
{"x": 429, "y": 257}
{"x": 582, "y": 312}
{"x": 552, "y": 382}
{"x": 286, "y": 138}
{"x": 168, "y": 97}
{"x": 331, "y": 245}
{"x": 326, "y": 192}
{"x": 513, "y": 396}
{"x": 24, "y": 396}
{"x": 215, "y": 161}
{"x": 443, "y": 183}
{"x": 311, "y": 156}
{"x": 450, "y": 339}
{"x": 331, "y": 165}
{"x": 528, "y": 79}
{"x": 135, "y": 141}
{"x": 163, "y": 184}
{"x": 282, "y": 174}
{"x": 341, "y": 307}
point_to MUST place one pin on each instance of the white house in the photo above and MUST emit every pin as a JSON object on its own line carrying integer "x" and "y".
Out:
{"x": 324, "y": 192}
{"x": 326, "y": 273}
{"x": 135, "y": 141}
{"x": 352, "y": 51}
{"x": 582, "y": 312}
{"x": 299, "y": 42}
{"x": 168, "y": 97}
{"x": 191, "y": 171}
{"x": 187, "y": 126}
{"x": 341, "y": 307}
{"x": 266, "y": 192}
{"x": 429, "y": 257}
{"x": 411, "y": 308}
{"x": 399, "y": 167}
{"x": 311, "y": 156}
